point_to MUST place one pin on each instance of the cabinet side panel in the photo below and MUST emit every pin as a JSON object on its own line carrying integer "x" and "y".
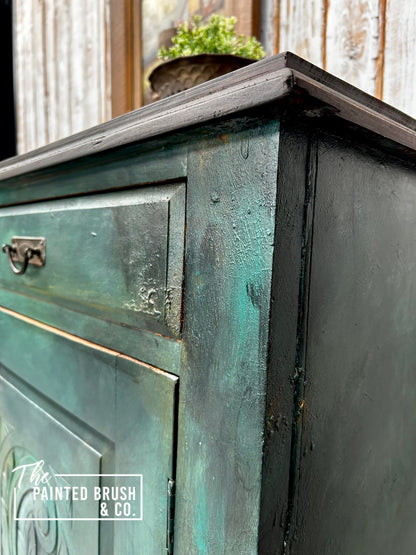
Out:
{"x": 292, "y": 184}
{"x": 357, "y": 491}
{"x": 229, "y": 252}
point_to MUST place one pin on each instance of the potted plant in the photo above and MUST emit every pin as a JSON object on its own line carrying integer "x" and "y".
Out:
{"x": 201, "y": 52}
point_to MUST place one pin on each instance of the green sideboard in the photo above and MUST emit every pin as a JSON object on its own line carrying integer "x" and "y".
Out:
{"x": 224, "y": 315}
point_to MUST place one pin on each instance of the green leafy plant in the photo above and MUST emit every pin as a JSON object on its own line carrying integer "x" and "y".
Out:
{"x": 218, "y": 36}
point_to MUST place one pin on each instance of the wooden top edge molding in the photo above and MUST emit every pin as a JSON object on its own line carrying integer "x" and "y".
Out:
{"x": 269, "y": 80}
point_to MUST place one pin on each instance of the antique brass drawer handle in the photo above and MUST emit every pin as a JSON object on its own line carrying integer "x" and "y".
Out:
{"x": 25, "y": 250}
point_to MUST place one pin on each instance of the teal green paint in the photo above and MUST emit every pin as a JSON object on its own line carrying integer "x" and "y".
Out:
{"x": 33, "y": 427}
{"x": 231, "y": 193}
{"x": 83, "y": 410}
{"x": 145, "y": 416}
{"x": 130, "y": 166}
{"x": 115, "y": 259}
{"x": 201, "y": 538}
{"x": 162, "y": 352}
{"x": 220, "y": 520}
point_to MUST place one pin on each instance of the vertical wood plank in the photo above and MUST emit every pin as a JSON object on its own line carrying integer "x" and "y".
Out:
{"x": 324, "y": 28}
{"x": 107, "y": 73}
{"x": 121, "y": 62}
{"x": 137, "y": 76}
{"x": 49, "y": 68}
{"x": 106, "y": 60}
{"x": 126, "y": 56}
{"x": 247, "y": 14}
{"x": 44, "y": 15}
{"x": 300, "y": 28}
{"x": 61, "y": 68}
{"x": 269, "y": 26}
{"x": 379, "y": 84}
{"x": 28, "y": 121}
{"x": 32, "y": 74}
{"x": 37, "y": 74}
{"x": 353, "y": 41}
{"x": 79, "y": 27}
{"x": 90, "y": 65}
{"x": 19, "y": 76}
{"x": 400, "y": 56}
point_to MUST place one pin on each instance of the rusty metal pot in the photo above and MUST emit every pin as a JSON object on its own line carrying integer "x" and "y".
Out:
{"x": 183, "y": 73}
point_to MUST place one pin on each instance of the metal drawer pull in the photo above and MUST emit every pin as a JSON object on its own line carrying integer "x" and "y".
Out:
{"x": 25, "y": 250}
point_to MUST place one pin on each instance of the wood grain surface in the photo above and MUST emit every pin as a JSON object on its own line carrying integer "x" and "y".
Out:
{"x": 61, "y": 68}
{"x": 301, "y": 28}
{"x": 352, "y": 42}
{"x": 400, "y": 56}
{"x": 369, "y": 43}
{"x": 78, "y": 63}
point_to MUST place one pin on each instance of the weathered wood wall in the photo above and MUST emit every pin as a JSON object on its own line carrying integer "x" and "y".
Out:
{"x": 370, "y": 43}
{"x": 76, "y": 60}
{"x": 61, "y": 68}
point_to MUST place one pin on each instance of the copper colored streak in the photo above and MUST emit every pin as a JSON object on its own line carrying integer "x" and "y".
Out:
{"x": 379, "y": 84}
{"x": 255, "y": 19}
{"x": 276, "y": 21}
{"x": 121, "y": 66}
{"x": 79, "y": 340}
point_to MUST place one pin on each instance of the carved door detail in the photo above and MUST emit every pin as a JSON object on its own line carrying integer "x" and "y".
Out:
{"x": 29, "y": 536}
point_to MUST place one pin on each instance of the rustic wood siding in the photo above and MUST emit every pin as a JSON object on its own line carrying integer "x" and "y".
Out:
{"x": 301, "y": 25}
{"x": 61, "y": 68}
{"x": 352, "y": 41}
{"x": 76, "y": 61}
{"x": 400, "y": 55}
{"x": 370, "y": 43}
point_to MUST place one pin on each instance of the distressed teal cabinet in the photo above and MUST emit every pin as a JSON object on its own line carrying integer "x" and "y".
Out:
{"x": 222, "y": 319}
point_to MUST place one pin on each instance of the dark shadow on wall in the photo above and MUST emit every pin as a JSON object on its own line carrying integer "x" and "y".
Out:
{"x": 7, "y": 108}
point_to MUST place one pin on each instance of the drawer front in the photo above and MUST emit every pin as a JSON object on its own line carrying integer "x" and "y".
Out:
{"x": 118, "y": 256}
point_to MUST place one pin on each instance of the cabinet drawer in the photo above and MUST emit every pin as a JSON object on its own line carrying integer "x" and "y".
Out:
{"x": 116, "y": 256}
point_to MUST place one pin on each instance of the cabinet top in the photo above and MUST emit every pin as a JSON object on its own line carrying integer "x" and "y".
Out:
{"x": 285, "y": 77}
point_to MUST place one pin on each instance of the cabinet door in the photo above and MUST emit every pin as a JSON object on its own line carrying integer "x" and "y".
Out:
{"x": 97, "y": 419}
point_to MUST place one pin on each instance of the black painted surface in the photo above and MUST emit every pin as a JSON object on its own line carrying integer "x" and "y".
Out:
{"x": 8, "y": 132}
{"x": 356, "y": 490}
{"x": 291, "y": 181}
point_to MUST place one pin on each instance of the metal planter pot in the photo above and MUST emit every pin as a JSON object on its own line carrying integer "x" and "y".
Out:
{"x": 183, "y": 73}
